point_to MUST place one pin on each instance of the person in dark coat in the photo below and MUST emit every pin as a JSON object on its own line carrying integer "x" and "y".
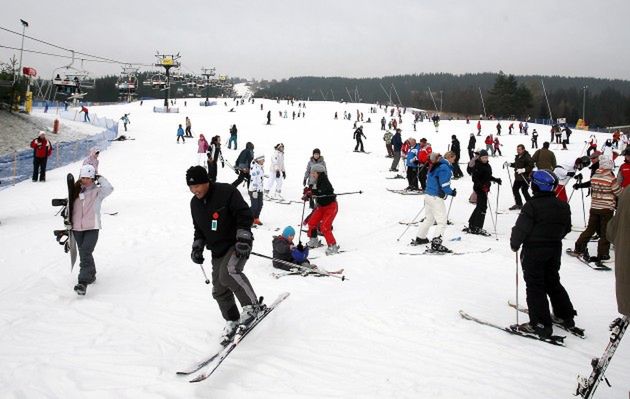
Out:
{"x": 618, "y": 232}
{"x": 241, "y": 166}
{"x": 471, "y": 146}
{"x": 482, "y": 177}
{"x": 41, "y": 151}
{"x": 233, "y": 138}
{"x": 214, "y": 156}
{"x": 358, "y": 135}
{"x": 222, "y": 223}
{"x": 455, "y": 147}
{"x": 284, "y": 249}
{"x": 542, "y": 224}
{"x": 397, "y": 146}
{"x": 523, "y": 166}
{"x": 325, "y": 212}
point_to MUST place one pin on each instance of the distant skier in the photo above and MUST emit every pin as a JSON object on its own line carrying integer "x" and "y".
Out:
{"x": 456, "y": 149}
{"x": 180, "y": 134}
{"x": 42, "y": 149}
{"x": 202, "y": 148}
{"x": 489, "y": 141}
{"x": 268, "y": 117}
{"x": 383, "y": 123}
{"x": 125, "y": 120}
{"x": 481, "y": 172}
{"x": 540, "y": 228}
{"x": 222, "y": 223}
{"x": 472, "y": 142}
{"x": 396, "y": 149}
{"x": 523, "y": 166}
{"x": 188, "y": 127}
{"x": 89, "y": 193}
{"x": 497, "y": 147}
{"x": 257, "y": 173}
{"x": 498, "y": 128}
{"x": 387, "y": 138}
{"x": 438, "y": 188}
{"x": 214, "y": 155}
{"x": 479, "y": 128}
{"x": 86, "y": 114}
{"x": 284, "y": 249}
{"x": 242, "y": 164}
{"x": 358, "y": 134}
{"x": 233, "y": 138}
{"x": 534, "y": 139}
{"x": 277, "y": 174}
{"x": 324, "y": 214}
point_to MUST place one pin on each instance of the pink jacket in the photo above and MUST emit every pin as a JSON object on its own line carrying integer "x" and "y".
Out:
{"x": 202, "y": 145}
{"x": 86, "y": 211}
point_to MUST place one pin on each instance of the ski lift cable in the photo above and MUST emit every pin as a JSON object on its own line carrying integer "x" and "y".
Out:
{"x": 54, "y": 55}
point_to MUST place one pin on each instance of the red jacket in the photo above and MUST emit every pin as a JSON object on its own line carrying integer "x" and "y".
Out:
{"x": 478, "y": 125}
{"x": 489, "y": 140}
{"x": 423, "y": 154}
{"x": 405, "y": 147}
{"x": 624, "y": 175}
{"x": 42, "y": 148}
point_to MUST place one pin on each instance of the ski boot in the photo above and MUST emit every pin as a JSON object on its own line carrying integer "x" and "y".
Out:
{"x": 537, "y": 329}
{"x": 248, "y": 314}
{"x": 80, "y": 289}
{"x": 436, "y": 245}
{"x": 419, "y": 241}
{"x": 314, "y": 243}
{"x": 332, "y": 249}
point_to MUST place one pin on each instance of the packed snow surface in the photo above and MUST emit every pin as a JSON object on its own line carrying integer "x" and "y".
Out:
{"x": 391, "y": 330}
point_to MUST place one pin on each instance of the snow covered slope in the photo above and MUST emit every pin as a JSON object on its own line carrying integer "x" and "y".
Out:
{"x": 391, "y": 330}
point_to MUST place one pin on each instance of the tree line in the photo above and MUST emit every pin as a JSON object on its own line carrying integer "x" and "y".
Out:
{"x": 607, "y": 100}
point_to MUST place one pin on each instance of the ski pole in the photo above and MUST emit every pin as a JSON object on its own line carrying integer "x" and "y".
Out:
{"x": 301, "y": 222}
{"x": 413, "y": 221}
{"x": 449, "y": 209}
{"x": 204, "y": 274}
{"x": 529, "y": 184}
{"x": 300, "y": 267}
{"x": 509, "y": 174}
{"x": 516, "y": 254}
{"x": 497, "y": 215}
{"x": 331, "y": 195}
{"x": 583, "y": 209}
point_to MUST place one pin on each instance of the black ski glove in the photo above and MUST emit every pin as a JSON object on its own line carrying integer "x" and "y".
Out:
{"x": 498, "y": 180}
{"x": 243, "y": 245}
{"x": 197, "y": 251}
{"x": 284, "y": 174}
{"x": 454, "y": 193}
{"x": 277, "y": 174}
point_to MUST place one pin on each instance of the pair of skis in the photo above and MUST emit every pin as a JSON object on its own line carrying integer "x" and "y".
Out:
{"x": 209, "y": 365}
{"x": 309, "y": 271}
{"x": 429, "y": 251}
{"x": 406, "y": 192}
{"x": 599, "y": 265}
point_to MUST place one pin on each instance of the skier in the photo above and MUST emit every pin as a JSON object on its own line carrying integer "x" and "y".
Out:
{"x": 268, "y": 117}
{"x": 125, "y": 120}
{"x": 497, "y": 147}
{"x": 526, "y": 128}
{"x": 481, "y": 172}
{"x": 277, "y": 173}
{"x": 324, "y": 214}
{"x": 438, "y": 188}
{"x": 479, "y": 128}
{"x": 523, "y": 166}
{"x": 42, "y": 149}
{"x": 222, "y": 222}
{"x": 86, "y": 114}
{"x": 233, "y": 134}
{"x": 624, "y": 170}
{"x": 544, "y": 158}
{"x": 489, "y": 141}
{"x": 617, "y": 232}
{"x": 256, "y": 171}
{"x": 540, "y": 228}
{"x": 566, "y": 172}
{"x": 534, "y": 139}
{"x": 188, "y": 126}
{"x": 455, "y": 147}
{"x": 423, "y": 157}
{"x": 92, "y": 159}
{"x": 383, "y": 122}
{"x": 592, "y": 145}
{"x": 214, "y": 155}
{"x": 284, "y": 249}
{"x": 89, "y": 193}
{"x": 472, "y": 141}
{"x": 412, "y": 162}
{"x": 520, "y": 127}
{"x": 358, "y": 134}
{"x": 396, "y": 148}
{"x": 202, "y": 148}
{"x": 180, "y": 134}
{"x": 498, "y": 128}
{"x": 604, "y": 193}
{"x": 510, "y": 128}
{"x": 387, "y": 138}
{"x": 241, "y": 166}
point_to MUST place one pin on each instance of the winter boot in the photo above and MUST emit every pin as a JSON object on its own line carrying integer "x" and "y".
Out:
{"x": 80, "y": 289}
{"x": 436, "y": 245}
{"x": 228, "y": 331}
{"x": 515, "y": 207}
{"x": 314, "y": 243}
{"x": 419, "y": 241}
{"x": 537, "y": 329}
{"x": 332, "y": 249}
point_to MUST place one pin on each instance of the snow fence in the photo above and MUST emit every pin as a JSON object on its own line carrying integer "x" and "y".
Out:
{"x": 18, "y": 166}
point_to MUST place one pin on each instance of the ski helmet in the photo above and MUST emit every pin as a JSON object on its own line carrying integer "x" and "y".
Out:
{"x": 544, "y": 180}
{"x": 585, "y": 161}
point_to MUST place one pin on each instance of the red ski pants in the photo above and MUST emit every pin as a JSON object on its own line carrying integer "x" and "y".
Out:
{"x": 561, "y": 193}
{"x": 324, "y": 214}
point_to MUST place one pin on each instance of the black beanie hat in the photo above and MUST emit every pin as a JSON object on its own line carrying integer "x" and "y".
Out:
{"x": 196, "y": 175}
{"x": 317, "y": 151}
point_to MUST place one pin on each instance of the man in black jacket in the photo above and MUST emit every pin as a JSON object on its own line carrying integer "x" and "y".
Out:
{"x": 540, "y": 228}
{"x": 222, "y": 222}
{"x": 481, "y": 172}
{"x": 241, "y": 166}
{"x": 455, "y": 147}
{"x": 471, "y": 146}
{"x": 523, "y": 165}
{"x": 397, "y": 145}
{"x": 358, "y": 135}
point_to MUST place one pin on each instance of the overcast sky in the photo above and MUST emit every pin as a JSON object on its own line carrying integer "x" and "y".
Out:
{"x": 357, "y": 38}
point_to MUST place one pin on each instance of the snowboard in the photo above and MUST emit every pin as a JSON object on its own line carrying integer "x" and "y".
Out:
{"x": 65, "y": 237}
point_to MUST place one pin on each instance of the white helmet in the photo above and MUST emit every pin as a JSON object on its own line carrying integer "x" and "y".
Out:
{"x": 87, "y": 171}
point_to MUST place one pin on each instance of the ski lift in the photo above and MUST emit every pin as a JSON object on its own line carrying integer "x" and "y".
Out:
{"x": 70, "y": 82}
{"x": 158, "y": 81}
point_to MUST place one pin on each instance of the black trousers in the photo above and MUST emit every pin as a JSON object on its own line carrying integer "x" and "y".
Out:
{"x": 422, "y": 176}
{"x": 541, "y": 266}
{"x": 228, "y": 280}
{"x": 242, "y": 176}
{"x": 212, "y": 171}
{"x": 39, "y": 168}
{"x": 478, "y": 216}
{"x": 524, "y": 188}
{"x": 457, "y": 171}
{"x": 412, "y": 177}
{"x": 359, "y": 144}
{"x": 471, "y": 153}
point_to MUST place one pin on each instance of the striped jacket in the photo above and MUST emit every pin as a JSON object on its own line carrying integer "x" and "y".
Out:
{"x": 604, "y": 190}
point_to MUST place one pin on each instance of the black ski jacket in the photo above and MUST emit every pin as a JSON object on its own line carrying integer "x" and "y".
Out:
{"x": 218, "y": 215}
{"x": 455, "y": 147}
{"x": 324, "y": 188}
{"x": 472, "y": 142}
{"x": 482, "y": 176}
{"x": 522, "y": 161}
{"x": 543, "y": 222}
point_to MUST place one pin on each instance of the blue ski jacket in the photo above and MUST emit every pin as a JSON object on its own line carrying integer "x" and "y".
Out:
{"x": 439, "y": 179}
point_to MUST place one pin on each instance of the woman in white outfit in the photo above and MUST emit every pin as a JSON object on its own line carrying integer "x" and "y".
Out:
{"x": 277, "y": 173}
